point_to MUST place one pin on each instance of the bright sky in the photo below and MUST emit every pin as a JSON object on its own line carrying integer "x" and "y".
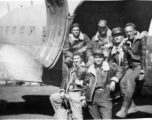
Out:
{"x": 8, "y": 5}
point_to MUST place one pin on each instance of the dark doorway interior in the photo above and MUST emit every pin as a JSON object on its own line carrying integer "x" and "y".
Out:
{"x": 117, "y": 13}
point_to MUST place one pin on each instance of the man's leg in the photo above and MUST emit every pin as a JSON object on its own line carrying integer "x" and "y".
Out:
{"x": 130, "y": 88}
{"x": 106, "y": 109}
{"x": 131, "y": 83}
{"x": 56, "y": 101}
{"x": 76, "y": 105}
{"x": 123, "y": 81}
{"x": 94, "y": 111}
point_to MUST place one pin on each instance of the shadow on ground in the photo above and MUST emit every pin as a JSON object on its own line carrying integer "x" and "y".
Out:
{"x": 32, "y": 105}
{"x": 35, "y": 104}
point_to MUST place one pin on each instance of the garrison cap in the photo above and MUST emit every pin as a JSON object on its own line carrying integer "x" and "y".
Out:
{"x": 98, "y": 52}
{"x": 102, "y": 23}
{"x": 117, "y": 31}
{"x": 75, "y": 25}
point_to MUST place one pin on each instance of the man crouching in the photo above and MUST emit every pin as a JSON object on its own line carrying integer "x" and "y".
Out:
{"x": 72, "y": 89}
{"x": 100, "y": 80}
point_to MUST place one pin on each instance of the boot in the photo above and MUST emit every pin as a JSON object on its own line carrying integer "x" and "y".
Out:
{"x": 132, "y": 108}
{"x": 124, "y": 109}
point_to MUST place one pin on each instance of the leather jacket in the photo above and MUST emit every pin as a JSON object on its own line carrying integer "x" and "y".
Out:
{"x": 68, "y": 84}
{"x": 98, "y": 42}
{"x": 136, "y": 52}
{"x": 114, "y": 74}
{"x": 75, "y": 45}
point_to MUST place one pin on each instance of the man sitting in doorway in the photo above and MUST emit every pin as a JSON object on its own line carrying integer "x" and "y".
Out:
{"x": 76, "y": 42}
{"x": 102, "y": 40}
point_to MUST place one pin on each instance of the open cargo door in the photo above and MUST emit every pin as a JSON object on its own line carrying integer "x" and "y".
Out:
{"x": 56, "y": 29}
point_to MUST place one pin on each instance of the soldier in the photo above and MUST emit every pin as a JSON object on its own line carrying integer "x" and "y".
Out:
{"x": 102, "y": 40}
{"x": 72, "y": 89}
{"x": 135, "y": 48}
{"x": 117, "y": 54}
{"x": 98, "y": 86}
{"x": 76, "y": 42}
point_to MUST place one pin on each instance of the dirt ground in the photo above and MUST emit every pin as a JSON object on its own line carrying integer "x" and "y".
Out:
{"x": 32, "y": 102}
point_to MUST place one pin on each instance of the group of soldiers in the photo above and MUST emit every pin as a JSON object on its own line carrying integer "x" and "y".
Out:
{"x": 100, "y": 70}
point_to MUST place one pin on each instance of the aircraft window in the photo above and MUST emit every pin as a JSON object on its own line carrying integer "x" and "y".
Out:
{"x": 22, "y": 30}
{"x": 32, "y": 29}
{"x": 13, "y": 30}
{"x": 7, "y": 28}
{"x": 44, "y": 34}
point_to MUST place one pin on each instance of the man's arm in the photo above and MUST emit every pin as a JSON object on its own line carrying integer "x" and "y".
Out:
{"x": 66, "y": 49}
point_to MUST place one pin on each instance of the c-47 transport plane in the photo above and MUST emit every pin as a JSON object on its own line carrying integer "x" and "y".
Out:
{"x": 32, "y": 37}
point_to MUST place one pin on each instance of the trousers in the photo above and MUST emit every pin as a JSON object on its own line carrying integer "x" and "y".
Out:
{"x": 128, "y": 82}
{"x": 74, "y": 101}
{"x": 101, "y": 106}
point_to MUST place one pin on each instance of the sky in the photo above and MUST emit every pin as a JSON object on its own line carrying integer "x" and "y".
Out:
{"x": 9, "y": 5}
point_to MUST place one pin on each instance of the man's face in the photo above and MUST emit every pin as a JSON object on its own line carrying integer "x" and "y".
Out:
{"x": 76, "y": 32}
{"x": 98, "y": 59}
{"x": 130, "y": 32}
{"x": 102, "y": 30}
{"x": 118, "y": 39}
{"x": 77, "y": 60}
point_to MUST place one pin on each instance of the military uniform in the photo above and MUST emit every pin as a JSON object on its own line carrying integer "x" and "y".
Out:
{"x": 136, "y": 51}
{"x": 74, "y": 91}
{"x": 73, "y": 44}
{"x": 97, "y": 91}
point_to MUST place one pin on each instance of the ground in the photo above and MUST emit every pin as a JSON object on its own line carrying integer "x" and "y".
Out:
{"x": 32, "y": 102}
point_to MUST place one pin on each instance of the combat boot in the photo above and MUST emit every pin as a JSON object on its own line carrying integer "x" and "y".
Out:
{"x": 132, "y": 108}
{"x": 124, "y": 109}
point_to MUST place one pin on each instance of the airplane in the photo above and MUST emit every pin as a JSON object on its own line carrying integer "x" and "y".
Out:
{"x": 32, "y": 38}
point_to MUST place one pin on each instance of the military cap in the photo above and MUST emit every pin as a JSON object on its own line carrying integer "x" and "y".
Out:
{"x": 117, "y": 31}
{"x": 98, "y": 52}
{"x": 102, "y": 23}
{"x": 75, "y": 25}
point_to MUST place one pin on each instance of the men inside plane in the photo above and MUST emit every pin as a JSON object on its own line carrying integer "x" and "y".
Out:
{"x": 76, "y": 42}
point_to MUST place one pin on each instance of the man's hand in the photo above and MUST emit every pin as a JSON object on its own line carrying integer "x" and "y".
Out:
{"x": 141, "y": 76}
{"x": 107, "y": 46}
{"x": 62, "y": 95}
{"x": 112, "y": 86}
{"x": 106, "y": 53}
{"x": 84, "y": 103}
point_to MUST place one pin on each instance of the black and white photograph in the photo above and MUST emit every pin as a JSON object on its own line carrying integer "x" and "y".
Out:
{"x": 75, "y": 59}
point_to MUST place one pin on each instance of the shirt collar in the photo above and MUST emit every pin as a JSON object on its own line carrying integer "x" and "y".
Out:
{"x": 81, "y": 37}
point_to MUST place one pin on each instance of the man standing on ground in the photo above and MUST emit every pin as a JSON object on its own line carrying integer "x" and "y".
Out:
{"x": 99, "y": 83}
